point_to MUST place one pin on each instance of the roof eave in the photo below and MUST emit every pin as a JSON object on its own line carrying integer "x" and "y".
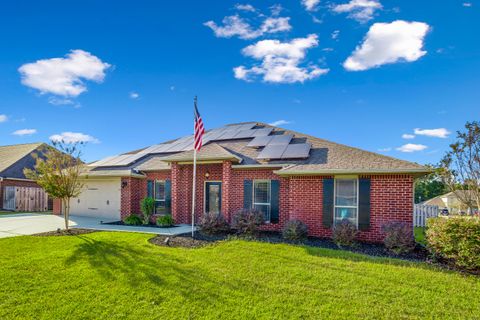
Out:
{"x": 416, "y": 172}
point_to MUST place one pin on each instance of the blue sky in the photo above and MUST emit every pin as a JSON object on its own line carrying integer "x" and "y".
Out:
{"x": 138, "y": 64}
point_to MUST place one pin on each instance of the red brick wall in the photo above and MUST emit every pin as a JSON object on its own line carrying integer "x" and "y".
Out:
{"x": 300, "y": 196}
{"x": 14, "y": 183}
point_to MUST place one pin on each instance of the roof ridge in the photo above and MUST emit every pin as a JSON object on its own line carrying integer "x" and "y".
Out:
{"x": 22, "y": 144}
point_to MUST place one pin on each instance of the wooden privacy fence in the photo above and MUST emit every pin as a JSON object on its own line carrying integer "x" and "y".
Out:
{"x": 27, "y": 199}
{"x": 422, "y": 212}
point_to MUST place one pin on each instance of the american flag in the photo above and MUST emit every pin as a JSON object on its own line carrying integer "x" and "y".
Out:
{"x": 199, "y": 128}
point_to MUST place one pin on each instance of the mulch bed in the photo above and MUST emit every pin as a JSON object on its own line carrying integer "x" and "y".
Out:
{"x": 70, "y": 232}
{"x": 376, "y": 250}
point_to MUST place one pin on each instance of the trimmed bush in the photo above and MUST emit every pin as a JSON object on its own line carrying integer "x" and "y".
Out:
{"x": 344, "y": 233}
{"x": 398, "y": 237}
{"x": 455, "y": 238}
{"x": 165, "y": 221}
{"x": 133, "y": 220}
{"x": 247, "y": 221}
{"x": 213, "y": 223}
{"x": 295, "y": 230}
{"x": 147, "y": 205}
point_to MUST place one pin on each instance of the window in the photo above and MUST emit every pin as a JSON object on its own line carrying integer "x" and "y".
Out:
{"x": 346, "y": 200}
{"x": 159, "y": 196}
{"x": 262, "y": 197}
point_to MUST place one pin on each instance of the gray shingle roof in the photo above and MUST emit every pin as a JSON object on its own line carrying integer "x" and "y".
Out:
{"x": 9, "y": 155}
{"x": 325, "y": 157}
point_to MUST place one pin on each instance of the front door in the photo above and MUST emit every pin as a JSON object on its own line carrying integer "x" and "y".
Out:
{"x": 213, "y": 197}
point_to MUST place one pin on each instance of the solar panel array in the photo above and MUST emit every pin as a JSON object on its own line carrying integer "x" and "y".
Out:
{"x": 285, "y": 151}
{"x": 232, "y": 132}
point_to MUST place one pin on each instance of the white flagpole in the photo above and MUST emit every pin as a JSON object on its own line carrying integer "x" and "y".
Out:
{"x": 193, "y": 189}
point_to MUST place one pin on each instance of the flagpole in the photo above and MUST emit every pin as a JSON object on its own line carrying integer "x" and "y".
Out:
{"x": 193, "y": 189}
{"x": 194, "y": 175}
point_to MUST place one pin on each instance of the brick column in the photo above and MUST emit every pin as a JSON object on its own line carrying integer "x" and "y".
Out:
{"x": 226, "y": 186}
{"x": 175, "y": 172}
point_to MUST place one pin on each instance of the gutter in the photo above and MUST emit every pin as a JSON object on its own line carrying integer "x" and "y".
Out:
{"x": 343, "y": 171}
{"x": 260, "y": 166}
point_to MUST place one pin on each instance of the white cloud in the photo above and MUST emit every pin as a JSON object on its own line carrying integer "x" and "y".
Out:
{"x": 360, "y": 10}
{"x": 279, "y": 123}
{"x": 276, "y": 9}
{"x": 134, "y": 95}
{"x": 335, "y": 34}
{"x": 385, "y": 149}
{"x": 280, "y": 61}
{"x": 60, "y": 101}
{"x": 237, "y": 26}
{"x": 467, "y": 4}
{"x": 24, "y": 132}
{"x": 310, "y": 5}
{"x": 411, "y": 147}
{"x": 73, "y": 137}
{"x": 408, "y": 136}
{"x": 3, "y": 118}
{"x": 64, "y": 76}
{"x": 245, "y": 7}
{"x": 389, "y": 43}
{"x": 437, "y": 133}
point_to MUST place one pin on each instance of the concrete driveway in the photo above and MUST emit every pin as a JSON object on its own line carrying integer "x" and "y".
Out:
{"x": 31, "y": 223}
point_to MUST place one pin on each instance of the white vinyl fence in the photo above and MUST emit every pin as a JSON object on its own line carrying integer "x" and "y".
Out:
{"x": 422, "y": 212}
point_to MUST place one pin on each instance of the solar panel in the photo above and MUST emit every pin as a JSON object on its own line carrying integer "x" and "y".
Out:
{"x": 272, "y": 152}
{"x": 262, "y": 132}
{"x": 260, "y": 141}
{"x": 281, "y": 139}
{"x": 243, "y": 134}
{"x": 102, "y": 161}
{"x": 297, "y": 151}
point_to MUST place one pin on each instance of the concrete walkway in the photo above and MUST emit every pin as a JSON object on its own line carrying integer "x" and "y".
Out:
{"x": 31, "y": 223}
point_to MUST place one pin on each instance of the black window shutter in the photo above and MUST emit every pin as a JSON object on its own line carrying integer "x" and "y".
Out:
{"x": 247, "y": 194}
{"x": 150, "y": 188}
{"x": 363, "y": 204}
{"x": 275, "y": 201}
{"x": 328, "y": 198}
{"x": 168, "y": 197}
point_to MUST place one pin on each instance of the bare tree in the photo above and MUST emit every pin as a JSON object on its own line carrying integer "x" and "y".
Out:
{"x": 58, "y": 173}
{"x": 460, "y": 167}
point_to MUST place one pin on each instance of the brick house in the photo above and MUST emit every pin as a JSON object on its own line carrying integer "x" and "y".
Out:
{"x": 13, "y": 160}
{"x": 282, "y": 173}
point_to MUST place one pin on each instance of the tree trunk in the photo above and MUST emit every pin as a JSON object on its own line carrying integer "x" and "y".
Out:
{"x": 67, "y": 212}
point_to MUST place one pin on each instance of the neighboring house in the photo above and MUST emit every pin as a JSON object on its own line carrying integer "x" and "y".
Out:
{"x": 284, "y": 174}
{"x": 16, "y": 191}
{"x": 451, "y": 201}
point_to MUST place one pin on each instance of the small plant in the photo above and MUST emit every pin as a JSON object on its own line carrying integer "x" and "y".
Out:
{"x": 165, "y": 221}
{"x": 213, "y": 223}
{"x": 455, "y": 238}
{"x": 147, "y": 205}
{"x": 398, "y": 237}
{"x": 133, "y": 220}
{"x": 295, "y": 230}
{"x": 344, "y": 233}
{"x": 247, "y": 221}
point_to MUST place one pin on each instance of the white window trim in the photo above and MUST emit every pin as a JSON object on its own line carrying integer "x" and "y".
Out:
{"x": 269, "y": 204}
{"x": 335, "y": 198}
{"x": 164, "y": 194}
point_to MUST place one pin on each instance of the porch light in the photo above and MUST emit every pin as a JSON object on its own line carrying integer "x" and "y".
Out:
{"x": 207, "y": 175}
{"x": 124, "y": 184}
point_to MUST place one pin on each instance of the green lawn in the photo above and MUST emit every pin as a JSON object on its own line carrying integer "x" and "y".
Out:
{"x": 108, "y": 275}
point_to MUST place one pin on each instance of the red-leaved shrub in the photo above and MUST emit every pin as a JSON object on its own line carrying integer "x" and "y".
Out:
{"x": 398, "y": 237}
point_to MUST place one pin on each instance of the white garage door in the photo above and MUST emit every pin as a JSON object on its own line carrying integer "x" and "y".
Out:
{"x": 100, "y": 199}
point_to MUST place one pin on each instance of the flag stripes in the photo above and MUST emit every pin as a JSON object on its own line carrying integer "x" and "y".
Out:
{"x": 199, "y": 129}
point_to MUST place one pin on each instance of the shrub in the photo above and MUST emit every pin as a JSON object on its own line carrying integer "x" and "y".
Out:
{"x": 455, "y": 238}
{"x": 213, "y": 223}
{"x": 147, "y": 205}
{"x": 295, "y": 230}
{"x": 398, "y": 237}
{"x": 344, "y": 233}
{"x": 247, "y": 221}
{"x": 165, "y": 221}
{"x": 133, "y": 220}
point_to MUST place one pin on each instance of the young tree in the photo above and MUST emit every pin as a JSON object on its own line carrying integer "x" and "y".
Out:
{"x": 460, "y": 167}
{"x": 58, "y": 173}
